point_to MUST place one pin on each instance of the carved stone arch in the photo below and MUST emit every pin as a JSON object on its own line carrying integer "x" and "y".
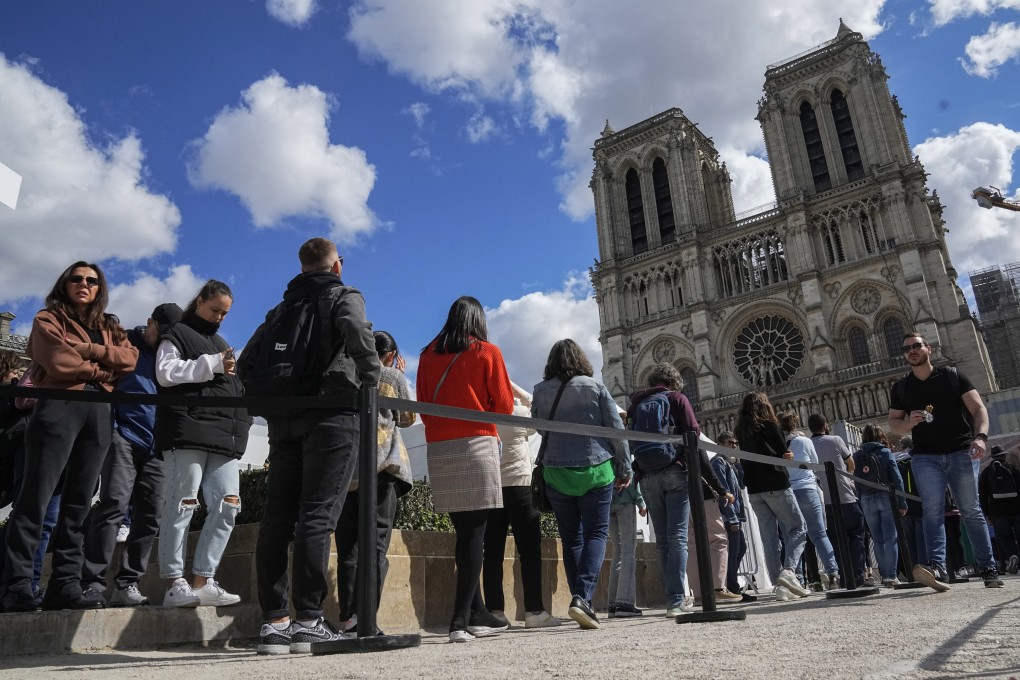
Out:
{"x": 888, "y": 312}
{"x": 646, "y": 358}
{"x": 842, "y": 339}
{"x": 652, "y": 152}
{"x": 834, "y": 81}
{"x": 802, "y": 95}
{"x": 843, "y": 305}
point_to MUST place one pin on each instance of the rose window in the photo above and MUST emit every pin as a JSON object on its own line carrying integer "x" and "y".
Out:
{"x": 768, "y": 351}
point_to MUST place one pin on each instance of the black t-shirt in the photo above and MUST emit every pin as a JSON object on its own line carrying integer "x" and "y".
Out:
{"x": 951, "y": 428}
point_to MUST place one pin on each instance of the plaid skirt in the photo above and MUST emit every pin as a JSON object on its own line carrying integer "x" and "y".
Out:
{"x": 464, "y": 474}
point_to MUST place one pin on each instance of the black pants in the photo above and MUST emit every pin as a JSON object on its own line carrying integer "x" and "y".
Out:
{"x": 955, "y": 559}
{"x": 130, "y": 475}
{"x": 347, "y": 542}
{"x": 519, "y": 514}
{"x": 470, "y": 528}
{"x": 854, "y": 525}
{"x": 311, "y": 462}
{"x": 1007, "y": 533}
{"x": 61, "y": 434}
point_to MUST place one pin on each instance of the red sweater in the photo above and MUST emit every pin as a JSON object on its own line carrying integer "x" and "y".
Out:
{"x": 477, "y": 380}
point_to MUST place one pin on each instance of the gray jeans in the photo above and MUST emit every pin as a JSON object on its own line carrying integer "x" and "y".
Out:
{"x": 779, "y": 508}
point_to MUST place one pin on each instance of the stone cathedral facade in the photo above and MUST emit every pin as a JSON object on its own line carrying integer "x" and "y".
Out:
{"x": 807, "y": 299}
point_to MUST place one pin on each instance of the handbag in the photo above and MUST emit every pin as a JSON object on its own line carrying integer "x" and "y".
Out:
{"x": 26, "y": 403}
{"x": 539, "y": 499}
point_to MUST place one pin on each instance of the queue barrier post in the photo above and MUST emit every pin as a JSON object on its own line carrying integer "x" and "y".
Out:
{"x": 699, "y": 521}
{"x": 851, "y": 588}
{"x": 369, "y": 639}
{"x": 901, "y": 541}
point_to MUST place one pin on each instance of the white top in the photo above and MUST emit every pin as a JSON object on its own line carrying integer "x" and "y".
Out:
{"x": 172, "y": 370}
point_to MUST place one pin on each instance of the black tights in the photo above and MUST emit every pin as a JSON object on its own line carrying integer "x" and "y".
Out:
{"x": 470, "y": 528}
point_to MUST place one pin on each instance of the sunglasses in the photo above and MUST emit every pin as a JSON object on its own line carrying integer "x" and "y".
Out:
{"x": 78, "y": 278}
{"x": 911, "y": 348}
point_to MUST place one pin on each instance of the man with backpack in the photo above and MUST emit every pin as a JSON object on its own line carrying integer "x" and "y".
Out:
{"x": 317, "y": 342}
{"x": 999, "y": 492}
{"x": 662, "y": 470}
{"x": 944, "y": 414}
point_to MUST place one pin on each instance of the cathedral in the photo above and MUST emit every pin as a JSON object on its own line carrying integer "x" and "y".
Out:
{"x": 808, "y": 299}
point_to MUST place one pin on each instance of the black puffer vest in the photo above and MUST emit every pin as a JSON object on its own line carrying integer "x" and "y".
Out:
{"x": 217, "y": 429}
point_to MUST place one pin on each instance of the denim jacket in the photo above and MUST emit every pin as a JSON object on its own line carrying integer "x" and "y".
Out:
{"x": 586, "y": 401}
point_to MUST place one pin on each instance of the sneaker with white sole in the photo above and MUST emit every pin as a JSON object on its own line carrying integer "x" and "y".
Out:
{"x": 789, "y": 579}
{"x": 128, "y": 597}
{"x": 461, "y": 636}
{"x": 934, "y": 576}
{"x": 302, "y": 637}
{"x": 726, "y": 596}
{"x": 542, "y": 619}
{"x": 685, "y": 607}
{"x": 627, "y": 611}
{"x": 122, "y": 533}
{"x": 487, "y": 624}
{"x": 582, "y": 612}
{"x": 273, "y": 639}
{"x": 212, "y": 594}
{"x": 180, "y": 594}
{"x": 784, "y": 594}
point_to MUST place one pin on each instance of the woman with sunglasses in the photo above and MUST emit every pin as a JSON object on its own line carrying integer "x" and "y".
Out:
{"x": 76, "y": 346}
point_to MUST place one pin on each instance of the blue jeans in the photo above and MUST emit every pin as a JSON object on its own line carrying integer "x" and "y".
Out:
{"x": 932, "y": 473}
{"x": 217, "y": 476}
{"x": 810, "y": 504}
{"x": 878, "y": 514}
{"x": 669, "y": 508}
{"x": 583, "y": 522}
{"x": 779, "y": 507}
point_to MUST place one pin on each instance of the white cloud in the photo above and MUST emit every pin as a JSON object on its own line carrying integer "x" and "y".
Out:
{"x": 480, "y": 128}
{"x": 418, "y": 111}
{"x": 134, "y": 301}
{"x": 580, "y": 63}
{"x": 526, "y": 328}
{"x": 274, "y": 153}
{"x": 945, "y": 11}
{"x": 977, "y": 155}
{"x": 752, "y": 179}
{"x": 985, "y": 53}
{"x": 291, "y": 12}
{"x": 78, "y": 200}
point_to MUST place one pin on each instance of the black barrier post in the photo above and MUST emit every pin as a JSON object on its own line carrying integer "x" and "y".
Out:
{"x": 851, "y": 587}
{"x": 901, "y": 540}
{"x": 368, "y": 638}
{"x": 699, "y": 520}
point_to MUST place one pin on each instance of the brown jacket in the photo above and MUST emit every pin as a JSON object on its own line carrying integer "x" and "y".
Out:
{"x": 65, "y": 358}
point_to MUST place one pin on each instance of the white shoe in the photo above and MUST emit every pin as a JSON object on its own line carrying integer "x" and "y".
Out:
{"x": 789, "y": 579}
{"x": 783, "y": 594}
{"x": 542, "y": 619}
{"x": 180, "y": 594}
{"x": 122, "y": 533}
{"x": 212, "y": 594}
{"x": 461, "y": 636}
{"x": 726, "y": 596}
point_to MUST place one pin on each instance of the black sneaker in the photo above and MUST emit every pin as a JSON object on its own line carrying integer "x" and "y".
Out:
{"x": 1013, "y": 564}
{"x": 627, "y": 611}
{"x": 611, "y": 611}
{"x": 302, "y": 637}
{"x": 991, "y": 577}
{"x": 582, "y": 612}
{"x": 91, "y": 600}
{"x": 272, "y": 640}
{"x": 484, "y": 624}
{"x": 934, "y": 576}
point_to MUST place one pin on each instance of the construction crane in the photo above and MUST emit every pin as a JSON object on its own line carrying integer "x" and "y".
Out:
{"x": 991, "y": 197}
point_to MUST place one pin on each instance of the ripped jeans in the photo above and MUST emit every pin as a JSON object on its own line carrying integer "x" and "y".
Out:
{"x": 187, "y": 471}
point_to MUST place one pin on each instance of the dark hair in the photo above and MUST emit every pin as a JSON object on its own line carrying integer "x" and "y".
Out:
{"x": 465, "y": 321}
{"x": 874, "y": 433}
{"x": 211, "y": 289}
{"x": 566, "y": 360}
{"x": 665, "y": 374}
{"x": 816, "y": 422}
{"x": 10, "y": 361}
{"x": 95, "y": 316}
{"x": 384, "y": 343}
{"x": 725, "y": 435}
{"x": 789, "y": 421}
{"x": 915, "y": 334}
{"x": 317, "y": 254}
{"x": 755, "y": 411}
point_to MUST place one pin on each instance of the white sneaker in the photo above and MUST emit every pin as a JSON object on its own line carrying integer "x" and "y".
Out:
{"x": 461, "y": 636}
{"x": 350, "y": 624}
{"x": 122, "y": 533}
{"x": 783, "y": 594}
{"x": 212, "y": 594}
{"x": 789, "y": 579}
{"x": 180, "y": 594}
{"x": 542, "y": 619}
{"x": 686, "y": 607}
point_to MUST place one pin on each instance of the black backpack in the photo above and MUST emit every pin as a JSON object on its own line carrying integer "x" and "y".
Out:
{"x": 652, "y": 414}
{"x": 293, "y": 354}
{"x": 870, "y": 470}
{"x": 1001, "y": 482}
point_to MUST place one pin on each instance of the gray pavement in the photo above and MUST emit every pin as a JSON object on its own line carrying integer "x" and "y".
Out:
{"x": 969, "y": 632}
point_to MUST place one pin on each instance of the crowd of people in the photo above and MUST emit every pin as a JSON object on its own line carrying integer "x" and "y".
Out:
{"x": 159, "y": 461}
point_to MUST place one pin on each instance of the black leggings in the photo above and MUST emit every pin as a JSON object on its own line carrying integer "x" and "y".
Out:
{"x": 470, "y": 528}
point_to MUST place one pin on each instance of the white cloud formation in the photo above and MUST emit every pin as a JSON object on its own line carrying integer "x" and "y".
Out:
{"x": 480, "y": 128}
{"x": 274, "y": 153}
{"x": 134, "y": 301}
{"x": 526, "y": 328}
{"x": 985, "y": 53}
{"x": 79, "y": 200}
{"x": 945, "y": 11}
{"x": 977, "y": 155}
{"x": 580, "y": 63}
{"x": 291, "y": 12}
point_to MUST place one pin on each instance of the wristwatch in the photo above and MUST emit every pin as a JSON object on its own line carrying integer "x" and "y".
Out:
{"x": 982, "y": 436}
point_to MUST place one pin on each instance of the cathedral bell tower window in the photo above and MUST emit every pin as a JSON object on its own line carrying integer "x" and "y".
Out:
{"x": 847, "y": 138}
{"x": 663, "y": 202}
{"x": 636, "y": 213}
{"x": 815, "y": 151}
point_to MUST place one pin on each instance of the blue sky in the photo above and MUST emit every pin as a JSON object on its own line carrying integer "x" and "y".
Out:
{"x": 445, "y": 144}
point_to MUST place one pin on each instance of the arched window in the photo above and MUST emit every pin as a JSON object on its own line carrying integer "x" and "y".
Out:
{"x": 815, "y": 151}
{"x": 636, "y": 212}
{"x": 892, "y": 331}
{"x": 847, "y": 138}
{"x": 690, "y": 389}
{"x": 663, "y": 202}
{"x": 859, "y": 354}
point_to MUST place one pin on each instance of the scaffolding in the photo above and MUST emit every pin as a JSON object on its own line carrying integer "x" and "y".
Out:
{"x": 997, "y": 294}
